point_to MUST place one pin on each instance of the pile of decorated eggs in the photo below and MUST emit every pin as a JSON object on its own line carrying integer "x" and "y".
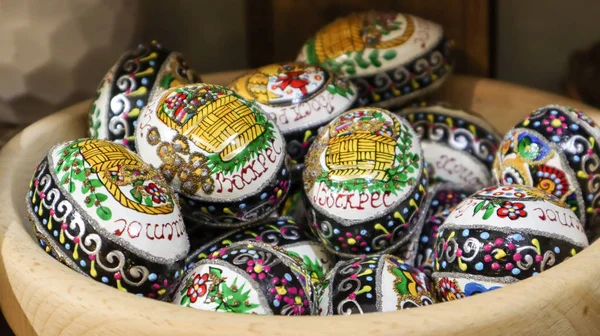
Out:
{"x": 292, "y": 191}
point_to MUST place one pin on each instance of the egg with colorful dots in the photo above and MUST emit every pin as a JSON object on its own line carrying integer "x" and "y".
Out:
{"x": 248, "y": 278}
{"x": 99, "y": 209}
{"x": 556, "y": 150}
{"x": 282, "y": 232}
{"x": 442, "y": 198}
{"x": 501, "y": 235}
{"x": 459, "y": 147}
{"x": 137, "y": 76}
{"x": 219, "y": 151}
{"x": 364, "y": 182}
{"x": 374, "y": 284}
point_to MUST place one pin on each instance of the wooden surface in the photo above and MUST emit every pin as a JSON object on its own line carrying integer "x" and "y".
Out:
{"x": 39, "y": 295}
{"x": 278, "y": 28}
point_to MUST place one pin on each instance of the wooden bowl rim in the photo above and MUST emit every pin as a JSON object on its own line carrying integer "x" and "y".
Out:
{"x": 39, "y": 295}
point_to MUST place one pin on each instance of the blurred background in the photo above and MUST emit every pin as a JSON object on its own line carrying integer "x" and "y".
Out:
{"x": 55, "y": 52}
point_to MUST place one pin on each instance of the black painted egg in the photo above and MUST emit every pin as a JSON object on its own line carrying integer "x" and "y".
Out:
{"x": 138, "y": 76}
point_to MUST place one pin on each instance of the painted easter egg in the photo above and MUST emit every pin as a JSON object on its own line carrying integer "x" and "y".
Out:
{"x": 556, "y": 150}
{"x": 282, "y": 232}
{"x": 219, "y": 151}
{"x": 299, "y": 98}
{"x": 137, "y": 76}
{"x": 364, "y": 182}
{"x": 458, "y": 146}
{"x": 500, "y": 235}
{"x": 441, "y": 199}
{"x": 374, "y": 284}
{"x": 248, "y": 278}
{"x": 391, "y": 57}
{"x": 98, "y": 208}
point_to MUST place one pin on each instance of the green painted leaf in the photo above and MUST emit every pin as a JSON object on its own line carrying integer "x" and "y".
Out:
{"x": 488, "y": 212}
{"x": 390, "y": 54}
{"x": 136, "y": 195}
{"x": 101, "y": 197}
{"x": 294, "y": 254}
{"x": 165, "y": 82}
{"x": 71, "y": 187}
{"x": 374, "y": 58}
{"x": 96, "y": 183}
{"x": 148, "y": 201}
{"x": 360, "y": 61}
{"x": 185, "y": 300}
{"x": 478, "y": 207}
{"x": 91, "y": 199}
{"x": 84, "y": 189}
{"x": 216, "y": 271}
{"x": 104, "y": 212}
{"x": 63, "y": 180}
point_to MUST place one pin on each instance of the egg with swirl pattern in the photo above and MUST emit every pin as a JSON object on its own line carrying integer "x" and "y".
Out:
{"x": 459, "y": 147}
{"x": 555, "y": 149}
{"x": 99, "y": 209}
{"x": 138, "y": 76}
{"x": 500, "y": 235}
{"x": 374, "y": 284}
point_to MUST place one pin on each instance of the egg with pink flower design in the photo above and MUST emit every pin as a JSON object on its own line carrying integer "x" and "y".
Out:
{"x": 248, "y": 278}
{"x": 555, "y": 149}
{"x": 374, "y": 284}
{"x": 500, "y": 235}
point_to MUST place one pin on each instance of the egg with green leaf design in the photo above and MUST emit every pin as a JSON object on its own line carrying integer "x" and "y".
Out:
{"x": 364, "y": 183}
{"x": 248, "y": 278}
{"x": 390, "y": 57}
{"x": 99, "y": 209}
{"x": 282, "y": 232}
{"x": 374, "y": 284}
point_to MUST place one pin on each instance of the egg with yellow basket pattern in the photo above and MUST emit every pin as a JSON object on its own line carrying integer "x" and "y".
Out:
{"x": 391, "y": 57}
{"x": 364, "y": 182}
{"x": 99, "y": 209}
{"x": 218, "y": 150}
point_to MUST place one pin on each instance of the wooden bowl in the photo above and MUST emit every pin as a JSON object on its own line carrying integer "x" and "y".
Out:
{"x": 40, "y": 296}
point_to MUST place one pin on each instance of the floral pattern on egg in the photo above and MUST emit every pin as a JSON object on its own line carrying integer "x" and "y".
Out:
{"x": 391, "y": 57}
{"x": 555, "y": 149}
{"x": 364, "y": 182}
{"x": 250, "y": 278}
{"x": 299, "y": 98}
{"x": 500, "y": 235}
{"x": 374, "y": 284}
{"x": 96, "y": 207}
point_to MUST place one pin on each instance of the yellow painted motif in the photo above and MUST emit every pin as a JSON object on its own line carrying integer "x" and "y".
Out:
{"x": 346, "y": 35}
{"x": 225, "y": 126}
{"x": 106, "y": 158}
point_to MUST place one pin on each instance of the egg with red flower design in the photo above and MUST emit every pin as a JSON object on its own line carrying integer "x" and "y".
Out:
{"x": 501, "y": 235}
{"x": 98, "y": 208}
{"x": 555, "y": 149}
{"x": 248, "y": 278}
